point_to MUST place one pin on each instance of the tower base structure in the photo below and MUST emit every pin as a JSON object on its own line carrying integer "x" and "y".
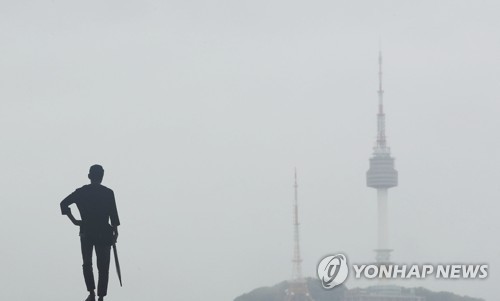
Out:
{"x": 381, "y": 293}
{"x": 298, "y": 291}
{"x": 383, "y": 256}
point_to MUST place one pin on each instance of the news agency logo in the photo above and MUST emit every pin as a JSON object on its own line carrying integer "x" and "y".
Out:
{"x": 333, "y": 270}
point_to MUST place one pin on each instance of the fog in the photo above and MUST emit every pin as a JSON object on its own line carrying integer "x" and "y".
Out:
{"x": 199, "y": 111}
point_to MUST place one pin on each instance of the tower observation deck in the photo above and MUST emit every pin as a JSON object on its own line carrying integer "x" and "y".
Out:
{"x": 381, "y": 173}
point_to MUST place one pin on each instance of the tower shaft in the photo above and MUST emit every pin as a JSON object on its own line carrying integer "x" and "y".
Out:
{"x": 382, "y": 252}
{"x": 383, "y": 240}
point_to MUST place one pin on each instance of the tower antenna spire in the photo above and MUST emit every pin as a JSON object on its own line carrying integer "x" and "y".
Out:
{"x": 381, "y": 141}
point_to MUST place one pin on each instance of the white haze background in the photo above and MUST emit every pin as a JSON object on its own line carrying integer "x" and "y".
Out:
{"x": 200, "y": 110}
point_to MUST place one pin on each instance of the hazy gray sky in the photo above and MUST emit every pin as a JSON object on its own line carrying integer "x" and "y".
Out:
{"x": 200, "y": 110}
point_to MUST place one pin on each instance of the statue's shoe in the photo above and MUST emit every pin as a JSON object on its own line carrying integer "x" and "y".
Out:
{"x": 90, "y": 298}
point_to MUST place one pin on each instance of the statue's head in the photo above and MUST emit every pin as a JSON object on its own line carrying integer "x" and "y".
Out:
{"x": 96, "y": 173}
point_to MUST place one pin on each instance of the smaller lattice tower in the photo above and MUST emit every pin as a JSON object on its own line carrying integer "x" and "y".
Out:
{"x": 297, "y": 289}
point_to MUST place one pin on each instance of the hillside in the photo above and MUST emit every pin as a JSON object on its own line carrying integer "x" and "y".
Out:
{"x": 277, "y": 293}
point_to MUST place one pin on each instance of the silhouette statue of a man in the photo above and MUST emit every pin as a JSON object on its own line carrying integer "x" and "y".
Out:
{"x": 97, "y": 207}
